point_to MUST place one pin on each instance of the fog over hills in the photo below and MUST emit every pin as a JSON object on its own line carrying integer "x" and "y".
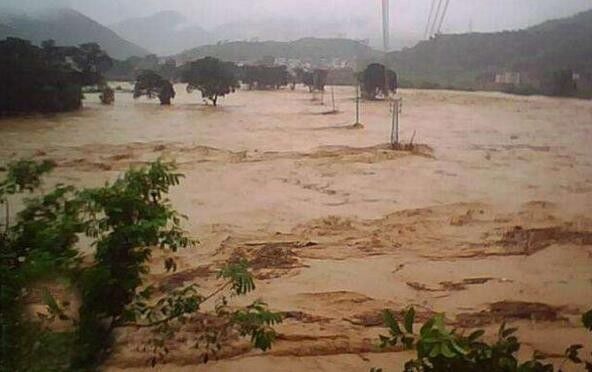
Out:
{"x": 169, "y": 32}
{"x": 149, "y": 22}
{"x": 66, "y": 27}
{"x": 164, "y": 33}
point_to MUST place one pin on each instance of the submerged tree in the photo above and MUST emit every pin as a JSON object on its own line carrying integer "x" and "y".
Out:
{"x": 265, "y": 77}
{"x": 212, "y": 77}
{"x": 373, "y": 81}
{"x": 93, "y": 63}
{"x": 107, "y": 95}
{"x": 562, "y": 84}
{"x": 151, "y": 84}
{"x": 36, "y": 79}
{"x": 47, "y": 79}
{"x": 320, "y": 79}
{"x": 315, "y": 80}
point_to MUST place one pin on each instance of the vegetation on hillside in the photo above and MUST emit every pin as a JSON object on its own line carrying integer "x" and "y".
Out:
{"x": 311, "y": 49}
{"x": 125, "y": 223}
{"x": 67, "y": 27}
{"x": 471, "y": 60}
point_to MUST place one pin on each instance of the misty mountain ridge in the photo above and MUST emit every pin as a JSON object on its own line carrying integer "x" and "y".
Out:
{"x": 169, "y": 32}
{"x": 66, "y": 27}
{"x": 164, "y": 33}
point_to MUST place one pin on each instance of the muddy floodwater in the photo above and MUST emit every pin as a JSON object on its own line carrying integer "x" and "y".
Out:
{"x": 492, "y": 221}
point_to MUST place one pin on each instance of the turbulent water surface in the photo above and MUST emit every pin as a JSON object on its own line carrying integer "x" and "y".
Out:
{"x": 338, "y": 226}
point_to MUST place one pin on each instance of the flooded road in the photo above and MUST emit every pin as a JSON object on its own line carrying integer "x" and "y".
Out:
{"x": 504, "y": 196}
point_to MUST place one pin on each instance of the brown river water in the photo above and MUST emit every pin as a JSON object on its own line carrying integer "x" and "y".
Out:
{"x": 493, "y": 221}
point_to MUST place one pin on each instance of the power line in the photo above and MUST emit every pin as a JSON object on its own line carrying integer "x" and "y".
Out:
{"x": 427, "y": 28}
{"x": 432, "y": 28}
{"x": 443, "y": 15}
{"x": 386, "y": 24}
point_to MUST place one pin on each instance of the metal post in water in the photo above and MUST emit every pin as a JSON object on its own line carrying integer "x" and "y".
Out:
{"x": 395, "y": 123}
{"x": 357, "y": 104}
{"x": 333, "y": 97}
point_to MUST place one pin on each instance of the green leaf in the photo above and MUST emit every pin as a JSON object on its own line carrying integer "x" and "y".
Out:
{"x": 435, "y": 350}
{"x": 391, "y": 322}
{"x": 474, "y": 336}
{"x": 427, "y": 327}
{"x": 447, "y": 351}
{"x": 459, "y": 349}
{"x": 51, "y": 303}
{"x": 409, "y": 318}
{"x": 508, "y": 332}
{"x": 587, "y": 320}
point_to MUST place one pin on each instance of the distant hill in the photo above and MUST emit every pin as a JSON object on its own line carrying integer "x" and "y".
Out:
{"x": 164, "y": 33}
{"x": 304, "y": 49}
{"x": 66, "y": 27}
{"x": 462, "y": 59}
{"x": 288, "y": 29}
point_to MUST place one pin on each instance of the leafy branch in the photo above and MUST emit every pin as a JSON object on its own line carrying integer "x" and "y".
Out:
{"x": 439, "y": 348}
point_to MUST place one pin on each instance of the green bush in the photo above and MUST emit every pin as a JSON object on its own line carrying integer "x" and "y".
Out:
{"x": 126, "y": 221}
{"x": 440, "y": 349}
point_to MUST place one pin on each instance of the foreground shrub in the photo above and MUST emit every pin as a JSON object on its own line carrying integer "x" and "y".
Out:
{"x": 441, "y": 349}
{"x": 125, "y": 221}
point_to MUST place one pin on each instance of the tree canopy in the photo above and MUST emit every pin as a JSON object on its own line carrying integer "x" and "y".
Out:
{"x": 314, "y": 80}
{"x": 47, "y": 78}
{"x": 373, "y": 81}
{"x": 151, "y": 84}
{"x": 265, "y": 77}
{"x": 212, "y": 77}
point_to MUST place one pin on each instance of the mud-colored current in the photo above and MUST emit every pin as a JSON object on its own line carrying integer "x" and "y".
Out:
{"x": 491, "y": 216}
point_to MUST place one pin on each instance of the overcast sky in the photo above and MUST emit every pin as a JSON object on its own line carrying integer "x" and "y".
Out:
{"x": 407, "y": 15}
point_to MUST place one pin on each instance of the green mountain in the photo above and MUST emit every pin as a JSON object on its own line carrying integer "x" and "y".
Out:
{"x": 312, "y": 49}
{"x": 466, "y": 60}
{"x": 66, "y": 27}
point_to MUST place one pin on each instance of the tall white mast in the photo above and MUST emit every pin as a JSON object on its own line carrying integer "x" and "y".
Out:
{"x": 386, "y": 25}
{"x": 386, "y": 39}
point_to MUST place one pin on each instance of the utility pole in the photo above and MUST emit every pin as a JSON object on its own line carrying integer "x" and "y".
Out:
{"x": 357, "y": 105}
{"x": 385, "y": 25}
{"x": 386, "y": 40}
{"x": 333, "y": 98}
{"x": 397, "y": 103}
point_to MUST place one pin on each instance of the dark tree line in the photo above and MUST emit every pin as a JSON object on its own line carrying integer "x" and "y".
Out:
{"x": 265, "y": 77}
{"x": 129, "y": 69}
{"x": 47, "y": 78}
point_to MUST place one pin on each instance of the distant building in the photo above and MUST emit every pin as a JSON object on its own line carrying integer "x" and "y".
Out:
{"x": 508, "y": 78}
